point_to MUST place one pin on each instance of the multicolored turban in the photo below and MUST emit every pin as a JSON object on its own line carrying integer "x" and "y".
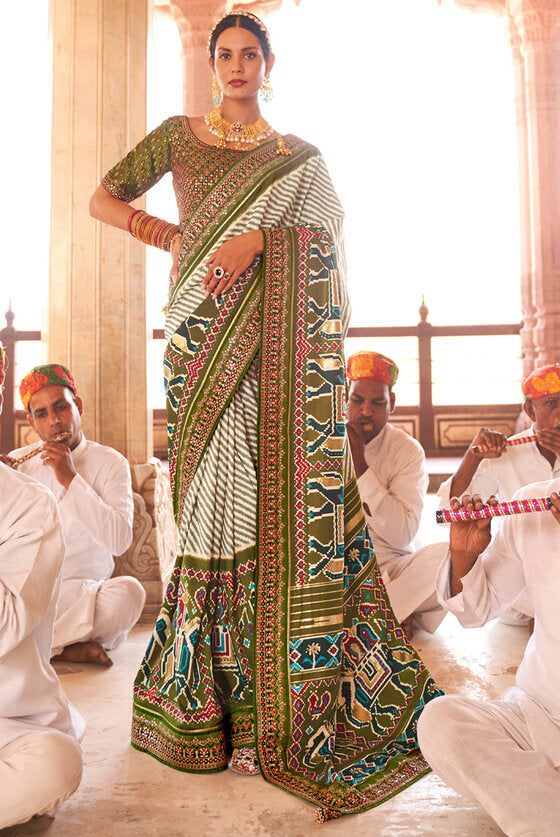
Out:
{"x": 50, "y": 375}
{"x": 372, "y": 365}
{"x": 541, "y": 382}
{"x": 2, "y": 363}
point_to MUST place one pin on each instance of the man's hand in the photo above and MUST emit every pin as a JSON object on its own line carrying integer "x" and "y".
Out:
{"x": 7, "y": 460}
{"x": 495, "y": 440}
{"x": 467, "y": 539}
{"x": 549, "y": 439}
{"x": 555, "y": 508}
{"x": 57, "y": 455}
{"x": 357, "y": 446}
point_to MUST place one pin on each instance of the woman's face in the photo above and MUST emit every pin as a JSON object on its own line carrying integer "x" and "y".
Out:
{"x": 239, "y": 63}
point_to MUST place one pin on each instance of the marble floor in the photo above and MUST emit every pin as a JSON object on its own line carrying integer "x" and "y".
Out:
{"x": 124, "y": 792}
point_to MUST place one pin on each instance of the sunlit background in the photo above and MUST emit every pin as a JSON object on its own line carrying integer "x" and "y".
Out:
{"x": 411, "y": 104}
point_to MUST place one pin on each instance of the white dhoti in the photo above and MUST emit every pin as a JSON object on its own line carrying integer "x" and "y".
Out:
{"x": 104, "y": 611}
{"x": 410, "y": 581}
{"x": 503, "y": 754}
{"x": 38, "y": 771}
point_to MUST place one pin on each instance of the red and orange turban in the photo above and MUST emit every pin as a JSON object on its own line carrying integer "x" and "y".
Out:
{"x": 52, "y": 374}
{"x": 372, "y": 365}
{"x": 542, "y": 382}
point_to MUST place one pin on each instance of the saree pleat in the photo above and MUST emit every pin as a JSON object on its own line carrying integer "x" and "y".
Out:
{"x": 275, "y": 629}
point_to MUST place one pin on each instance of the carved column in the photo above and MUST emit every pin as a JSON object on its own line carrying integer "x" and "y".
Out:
{"x": 528, "y": 352}
{"x": 96, "y": 315}
{"x": 534, "y": 32}
{"x": 152, "y": 553}
{"x": 538, "y": 25}
{"x": 195, "y": 19}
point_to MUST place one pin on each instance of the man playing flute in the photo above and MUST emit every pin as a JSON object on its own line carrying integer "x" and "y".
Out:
{"x": 40, "y": 758}
{"x": 502, "y": 470}
{"x": 505, "y": 754}
{"x": 91, "y": 483}
{"x": 392, "y": 477}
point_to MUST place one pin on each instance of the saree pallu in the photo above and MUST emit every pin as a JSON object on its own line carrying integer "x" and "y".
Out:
{"x": 336, "y": 689}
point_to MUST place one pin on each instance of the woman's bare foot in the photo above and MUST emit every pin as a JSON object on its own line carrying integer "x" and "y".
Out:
{"x": 244, "y": 761}
{"x": 84, "y": 652}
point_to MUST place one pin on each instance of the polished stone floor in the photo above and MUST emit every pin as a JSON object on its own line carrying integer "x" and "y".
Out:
{"x": 124, "y": 792}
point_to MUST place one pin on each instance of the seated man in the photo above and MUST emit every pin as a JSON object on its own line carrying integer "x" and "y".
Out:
{"x": 502, "y": 470}
{"x": 505, "y": 753}
{"x": 92, "y": 485}
{"x": 40, "y": 758}
{"x": 391, "y": 470}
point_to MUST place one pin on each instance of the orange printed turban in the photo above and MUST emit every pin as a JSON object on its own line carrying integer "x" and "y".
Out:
{"x": 2, "y": 363}
{"x": 372, "y": 365}
{"x": 541, "y": 382}
{"x": 52, "y": 374}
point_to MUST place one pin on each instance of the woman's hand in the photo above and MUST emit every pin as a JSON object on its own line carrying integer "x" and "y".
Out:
{"x": 175, "y": 250}
{"x": 234, "y": 256}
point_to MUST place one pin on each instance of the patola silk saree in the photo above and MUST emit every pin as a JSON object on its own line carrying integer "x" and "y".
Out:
{"x": 275, "y": 630}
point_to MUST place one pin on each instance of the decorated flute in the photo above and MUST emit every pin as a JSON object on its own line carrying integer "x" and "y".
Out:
{"x": 533, "y": 504}
{"x": 521, "y": 440}
{"x": 60, "y": 438}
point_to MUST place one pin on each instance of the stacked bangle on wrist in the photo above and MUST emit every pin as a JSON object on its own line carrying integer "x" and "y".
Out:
{"x": 152, "y": 230}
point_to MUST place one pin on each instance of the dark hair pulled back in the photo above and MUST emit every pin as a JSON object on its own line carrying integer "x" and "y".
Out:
{"x": 245, "y": 22}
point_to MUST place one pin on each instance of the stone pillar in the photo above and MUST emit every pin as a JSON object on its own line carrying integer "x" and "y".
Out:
{"x": 534, "y": 32}
{"x": 528, "y": 352}
{"x": 152, "y": 553}
{"x": 195, "y": 19}
{"x": 538, "y": 25}
{"x": 96, "y": 315}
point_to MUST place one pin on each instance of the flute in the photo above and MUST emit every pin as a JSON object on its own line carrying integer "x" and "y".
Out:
{"x": 521, "y": 440}
{"x": 60, "y": 438}
{"x": 533, "y": 504}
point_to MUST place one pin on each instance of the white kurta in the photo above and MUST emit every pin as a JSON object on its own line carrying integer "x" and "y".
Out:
{"x": 506, "y": 754}
{"x": 96, "y": 512}
{"x": 40, "y": 759}
{"x": 31, "y": 553}
{"x": 502, "y": 477}
{"x": 393, "y": 489}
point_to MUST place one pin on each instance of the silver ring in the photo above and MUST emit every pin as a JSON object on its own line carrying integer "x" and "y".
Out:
{"x": 218, "y": 272}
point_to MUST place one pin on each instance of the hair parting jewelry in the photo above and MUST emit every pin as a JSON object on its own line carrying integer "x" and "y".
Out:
{"x": 236, "y": 13}
{"x": 152, "y": 230}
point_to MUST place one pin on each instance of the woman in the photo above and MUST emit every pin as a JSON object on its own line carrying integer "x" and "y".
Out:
{"x": 275, "y": 638}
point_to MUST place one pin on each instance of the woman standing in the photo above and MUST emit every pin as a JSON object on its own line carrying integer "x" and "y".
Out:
{"x": 275, "y": 648}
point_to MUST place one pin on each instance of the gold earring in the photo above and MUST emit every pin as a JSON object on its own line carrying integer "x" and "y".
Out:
{"x": 216, "y": 92}
{"x": 266, "y": 89}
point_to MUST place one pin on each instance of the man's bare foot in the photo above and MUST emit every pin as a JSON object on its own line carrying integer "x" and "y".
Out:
{"x": 84, "y": 652}
{"x": 408, "y": 627}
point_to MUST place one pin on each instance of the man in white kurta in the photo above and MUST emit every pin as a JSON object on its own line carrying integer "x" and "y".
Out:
{"x": 392, "y": 478}
{"x": 505, "y": 753}
{"x": 502, "y": 470}
{"x": 91, "y": 483}
{"x": 40, "y": 758}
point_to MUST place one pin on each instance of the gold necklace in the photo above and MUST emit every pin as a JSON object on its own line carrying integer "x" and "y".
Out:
{"x": 237, "y": 133}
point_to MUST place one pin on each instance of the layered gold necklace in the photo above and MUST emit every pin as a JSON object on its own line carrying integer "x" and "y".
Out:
{"x": 235, "y": 134}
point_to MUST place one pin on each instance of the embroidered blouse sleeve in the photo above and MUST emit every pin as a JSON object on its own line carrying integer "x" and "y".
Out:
{"x": 144, "y": 165}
